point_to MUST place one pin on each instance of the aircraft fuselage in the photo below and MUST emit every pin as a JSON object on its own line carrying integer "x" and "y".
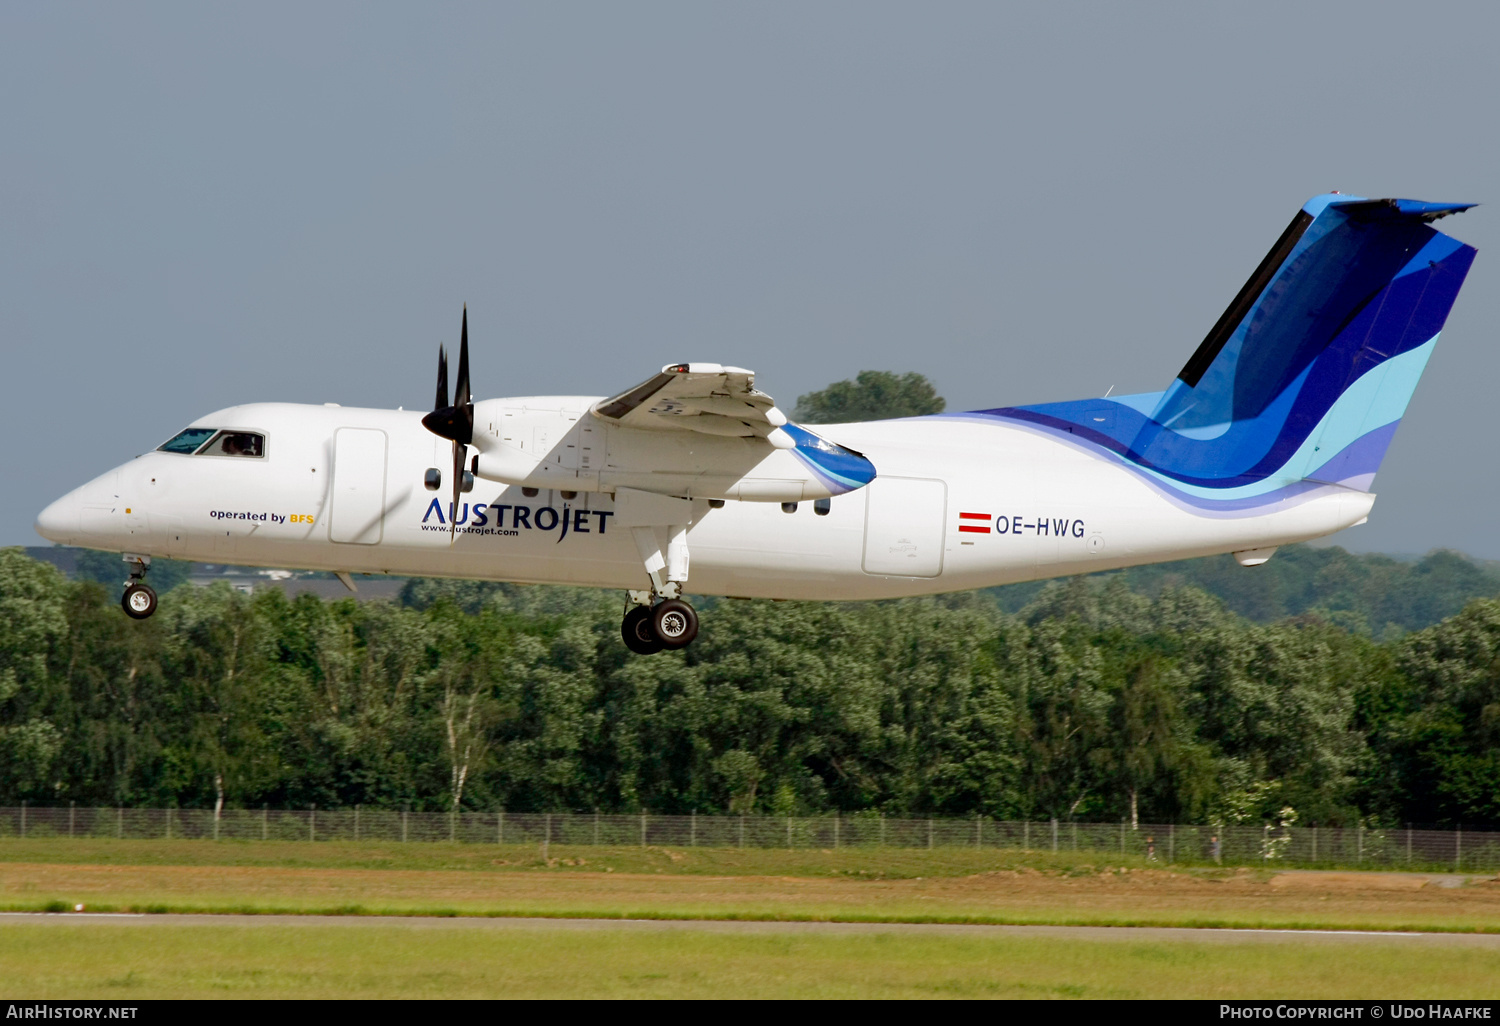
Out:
{"x": 959, "y": 502}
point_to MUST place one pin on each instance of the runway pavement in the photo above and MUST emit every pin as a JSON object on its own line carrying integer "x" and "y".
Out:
{"x": 1082, "y": 933}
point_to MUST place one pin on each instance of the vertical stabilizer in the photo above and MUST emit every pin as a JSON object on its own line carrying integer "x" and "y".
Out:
{"x": 1307, "y": 373}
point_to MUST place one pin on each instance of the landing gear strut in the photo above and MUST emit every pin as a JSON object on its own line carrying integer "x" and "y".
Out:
{"x": 658, "y": 618}
{"x": 139, "y": 600}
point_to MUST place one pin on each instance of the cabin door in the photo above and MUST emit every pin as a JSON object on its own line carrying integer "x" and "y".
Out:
{"x": 904, "y": 519}
{"x": 357, "y": 516}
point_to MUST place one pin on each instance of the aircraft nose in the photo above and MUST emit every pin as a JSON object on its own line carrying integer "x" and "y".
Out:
{"x": 59, "y": 521}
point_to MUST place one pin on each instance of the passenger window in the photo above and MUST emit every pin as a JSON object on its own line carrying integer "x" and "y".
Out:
{"x": 235, "y": 443}
{"x": 187, "y": 441}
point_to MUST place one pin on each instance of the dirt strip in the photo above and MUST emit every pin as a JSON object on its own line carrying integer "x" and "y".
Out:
{"x": 1146, "y": 898}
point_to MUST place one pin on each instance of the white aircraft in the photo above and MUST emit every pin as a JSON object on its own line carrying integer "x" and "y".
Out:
{"x": 1271, "y": 434}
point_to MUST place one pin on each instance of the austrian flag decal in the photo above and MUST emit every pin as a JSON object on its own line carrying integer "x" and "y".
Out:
{"x": 971, "y": 522}
{"x": 1041, "y": 527}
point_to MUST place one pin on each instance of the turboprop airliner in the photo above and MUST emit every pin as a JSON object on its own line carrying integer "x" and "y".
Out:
{"x": 1271, "y": 434}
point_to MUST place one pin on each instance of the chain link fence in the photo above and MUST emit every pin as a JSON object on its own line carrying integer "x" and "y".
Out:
{"x": 1463, "y": 851}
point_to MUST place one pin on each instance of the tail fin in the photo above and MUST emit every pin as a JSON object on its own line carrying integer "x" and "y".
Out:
{"x": 1309, "y": 370}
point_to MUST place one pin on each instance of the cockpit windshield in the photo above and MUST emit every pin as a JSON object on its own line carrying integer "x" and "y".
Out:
{"x": 186, "y": 441}
{"x": 213, "y": 442}
{"x": 235, "y": 443}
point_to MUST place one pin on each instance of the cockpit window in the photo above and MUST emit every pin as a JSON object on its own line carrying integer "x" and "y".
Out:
{"x": 235, "y": 443}
{"x": 187, "y": 441}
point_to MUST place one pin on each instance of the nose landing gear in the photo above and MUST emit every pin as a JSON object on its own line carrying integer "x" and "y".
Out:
{"x": 139, "y": 600}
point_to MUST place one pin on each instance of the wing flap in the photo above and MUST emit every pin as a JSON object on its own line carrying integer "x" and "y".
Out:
{"x": 708, "y": 398}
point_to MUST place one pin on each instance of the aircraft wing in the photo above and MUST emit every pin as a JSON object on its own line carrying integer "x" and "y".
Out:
{"x": 704, "y": 397}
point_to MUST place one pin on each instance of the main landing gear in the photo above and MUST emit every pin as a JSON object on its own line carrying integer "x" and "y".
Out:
{"x": 658, "y": 618}
{"x": 139, "y": 600}
{"x": 670, "y": 623}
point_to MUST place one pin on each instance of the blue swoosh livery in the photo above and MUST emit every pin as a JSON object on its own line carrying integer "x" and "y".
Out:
{"x": 1305, "y": 377}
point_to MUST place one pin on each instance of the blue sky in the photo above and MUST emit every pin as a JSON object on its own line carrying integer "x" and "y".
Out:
{"x": 212, "y": 204}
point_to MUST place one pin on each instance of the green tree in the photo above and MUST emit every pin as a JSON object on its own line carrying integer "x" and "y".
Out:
{"x": 1104, "y": 697}
{"x": 872, "y": 395}
{"x": 1435, "y": 748}
{"x": 32, "y": 621}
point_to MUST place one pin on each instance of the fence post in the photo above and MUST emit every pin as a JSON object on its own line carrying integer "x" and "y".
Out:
{"x": 1075, "y": 836}
{"x": 596, "y": 826}
{"x": 1054, "y": 833}
{"x": 1315, "y": 842}
{"x": 1171, "y": 843}
{"x": 742, "y": 830}
{"x": 1122, "y": 837}
{"x": 500, "y": 827}
{"x": 356, "y": 821}
{"x": 216, "y": 820}
{"x": 312, "y": 822}
{"x": 119, "y": 821}
{"x": 265, "y": 810}
{"x": 1458, "y": 849}
{"x": 979, "y": 831}
{"x": 929, "y": 833}
{"x": 547, "y": 837}
{"x": 403, "y": 826}
{"x": 1408, "y": 844}
{"x": 72, "y": 811}
{"x": 1359, "y": 833}
{"x": 882, "y": 829}
{"x": 643, "y": 829}
{"x": 1026, "y": 835}
{"x": 693, "y": 828}
{"x": 835, "y": 829}
{"x": 169, "y": 822}
{"x": 789, "y": 832}
{"x": 23, "y": 818}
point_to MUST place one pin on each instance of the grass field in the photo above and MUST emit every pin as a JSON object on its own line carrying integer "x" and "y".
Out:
{"x": 403, "y": 959}
{"x": 854, "y": 885}
{"x": 379, "y": 957}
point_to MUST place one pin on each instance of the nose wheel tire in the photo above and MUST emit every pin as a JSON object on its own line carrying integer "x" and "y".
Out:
{"x": 139, "y": 601}
{"x": 639, "y": 633}
{"x": 676, "y": 623}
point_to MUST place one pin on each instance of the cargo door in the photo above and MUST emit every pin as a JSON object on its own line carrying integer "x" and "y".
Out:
{"x": 904, "y": 521}
{"x": 357, "y": 515}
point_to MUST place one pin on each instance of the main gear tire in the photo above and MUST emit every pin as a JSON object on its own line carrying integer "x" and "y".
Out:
{"x": 139, "y": 601}
{"x": 639, "y": 632}
{"x": 676, "y": 623}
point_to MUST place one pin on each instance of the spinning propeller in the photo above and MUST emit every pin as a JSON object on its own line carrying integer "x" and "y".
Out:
{"x": 455, "y": 422}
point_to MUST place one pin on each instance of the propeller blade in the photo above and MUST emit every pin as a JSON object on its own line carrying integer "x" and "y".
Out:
{"x": 461, "y": 392}
{"x": 459, "y": 454}
{"x": 455, "y": 422}
{"x": 442, "y": 388}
